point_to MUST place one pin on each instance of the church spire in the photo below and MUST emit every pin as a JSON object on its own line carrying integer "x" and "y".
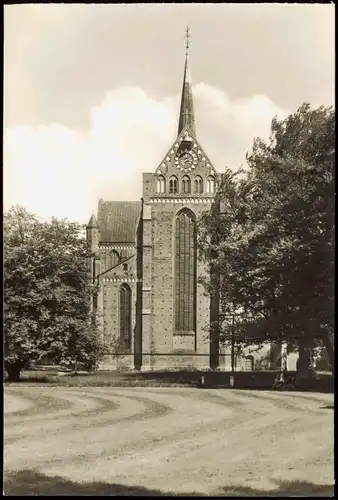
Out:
{"x": 187, "y": 107}
{"x": 92, "y": 222}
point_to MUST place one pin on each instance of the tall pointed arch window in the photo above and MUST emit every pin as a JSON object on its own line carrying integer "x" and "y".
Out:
{"x": 186, "y": 184}
{"x": 185, "y": 272}
{"x": 160, "y": 184}
{"x": 210, "y": 184}
{"x": 173, "y": 185}
{"x": 125, "y": 317}
{"x": 198, "y": 185}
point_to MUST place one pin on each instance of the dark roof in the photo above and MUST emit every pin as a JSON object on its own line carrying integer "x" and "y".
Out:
{"x": 92, "y": 222}
{"x": 117, "y": 221}
{"x": 187, "y": 117}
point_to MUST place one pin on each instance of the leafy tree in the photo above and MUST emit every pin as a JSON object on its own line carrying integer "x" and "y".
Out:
{"x": 272, "y": 246}
{"x": 47, "y": 293}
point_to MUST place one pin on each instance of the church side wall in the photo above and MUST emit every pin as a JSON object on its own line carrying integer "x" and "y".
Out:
{"x": 162, "y": 339}
{"x": 109, "y": 300}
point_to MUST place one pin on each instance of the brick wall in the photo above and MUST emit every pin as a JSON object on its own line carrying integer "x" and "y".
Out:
{"x": 109, "y": 297}
{"x": 158, "y": 292}
{"x": 153, "y": 294}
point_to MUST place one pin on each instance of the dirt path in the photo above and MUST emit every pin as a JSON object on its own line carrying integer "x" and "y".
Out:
{"x": 142, "y": 441}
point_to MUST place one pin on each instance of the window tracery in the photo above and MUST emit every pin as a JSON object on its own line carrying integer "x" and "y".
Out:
{"x": 210, "y": 185}
{"x": 198, "y": 185}
{"x": 173, "y": 185}
{"x": 185, "y": 271}
{"x": 160, "y": 184}
{"x": 186, "y": 184}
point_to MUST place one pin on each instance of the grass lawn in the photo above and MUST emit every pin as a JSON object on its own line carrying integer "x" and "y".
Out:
{"x": 323, "y": 382}
{"x": 160, "y": 441}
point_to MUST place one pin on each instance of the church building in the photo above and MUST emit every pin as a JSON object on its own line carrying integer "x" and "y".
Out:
{"x": 153, "y": 312}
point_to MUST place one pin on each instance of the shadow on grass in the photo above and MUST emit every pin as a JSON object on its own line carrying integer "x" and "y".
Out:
{"x": 254, "y": 380}
{"x": 322, "y": 383}
{"x": 33, "y": 483}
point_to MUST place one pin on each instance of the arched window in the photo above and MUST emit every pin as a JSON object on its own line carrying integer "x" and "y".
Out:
{"x": 186, "y": 184}
{"x": 198, "y": 185}
{"x": 160, "y": 184}
{"x": 210, "y": 185}
{"x": 113, "y": 259}
{"x": 125, "y": 318}
{"x": 185, "y": 272}
{"x": 173, "y": 185}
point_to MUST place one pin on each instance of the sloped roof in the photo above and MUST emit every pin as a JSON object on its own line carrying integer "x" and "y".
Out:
{"x": 92, "y": 222}
{"x": 117, "y": 221}
{"x": 187, "y": 117}
{"x": 117, "y": 265}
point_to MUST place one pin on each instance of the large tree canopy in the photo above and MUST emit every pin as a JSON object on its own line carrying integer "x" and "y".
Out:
{"x": 271, "y": 248}
{"x": 47, "y": 293}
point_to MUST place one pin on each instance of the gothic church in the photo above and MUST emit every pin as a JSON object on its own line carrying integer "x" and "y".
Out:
{"x": 152, "y": 309}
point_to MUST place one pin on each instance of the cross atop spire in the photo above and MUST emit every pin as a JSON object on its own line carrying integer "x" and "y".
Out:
{"x": 187, "y": 36}
{"x": 187, "y": 108}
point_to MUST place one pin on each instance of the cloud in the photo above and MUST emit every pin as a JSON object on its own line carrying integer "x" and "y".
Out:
{"x": 54, "y": 170}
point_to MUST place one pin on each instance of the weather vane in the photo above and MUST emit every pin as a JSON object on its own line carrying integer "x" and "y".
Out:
{"x": 187, "y": 36}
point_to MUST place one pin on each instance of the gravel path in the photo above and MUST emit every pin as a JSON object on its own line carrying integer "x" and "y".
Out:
{"x": 142, "y": 441}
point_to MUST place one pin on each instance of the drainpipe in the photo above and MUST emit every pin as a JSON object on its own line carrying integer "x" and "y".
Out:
{"x": 232, "y": 376}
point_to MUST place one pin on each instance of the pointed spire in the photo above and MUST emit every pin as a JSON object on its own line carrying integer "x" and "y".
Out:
{"x": 92, "y": 222}
{"x": 187, "y": 107}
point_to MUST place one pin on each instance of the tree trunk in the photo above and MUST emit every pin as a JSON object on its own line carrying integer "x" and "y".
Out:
{"x": 276, "y": 356}
{"x": 304, "y": 373}
{"x": 328, "y": 341}
{"x": 14, "y": 370}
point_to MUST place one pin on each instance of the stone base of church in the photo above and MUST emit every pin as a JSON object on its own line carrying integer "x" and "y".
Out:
{"x": 156, "y": 362}
{"x": 172, "y": 361}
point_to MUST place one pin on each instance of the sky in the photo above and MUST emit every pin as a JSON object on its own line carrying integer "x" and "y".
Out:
{"x": 91, "y": 92}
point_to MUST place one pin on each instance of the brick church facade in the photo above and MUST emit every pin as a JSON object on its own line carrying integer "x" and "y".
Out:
{"x": 153, "y": 312}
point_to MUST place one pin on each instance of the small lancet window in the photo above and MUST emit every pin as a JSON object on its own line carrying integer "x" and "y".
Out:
{"x": 198, "y": 185}
{"x": 173, "y": 185}
{"x": 113, "y": 258}
{"x": 210, "y": 185}
{"x": 160, "y": 184}
{"x": 186, "y": 184}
